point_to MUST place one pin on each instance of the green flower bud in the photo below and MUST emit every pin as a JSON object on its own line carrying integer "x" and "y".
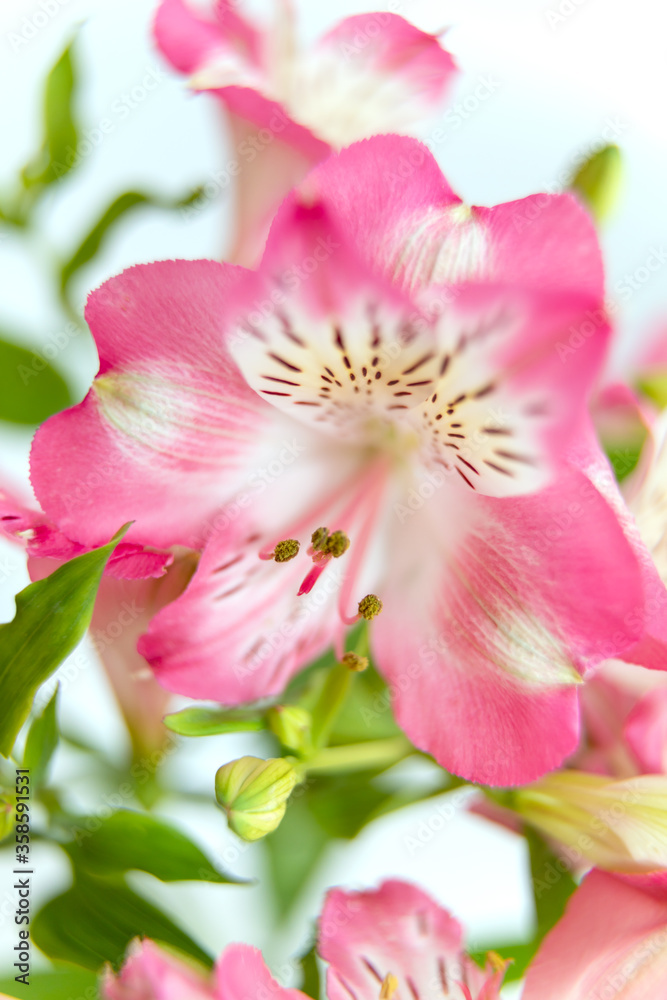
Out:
{"x": 254, "y": 793}
{"x": 291, "y": 724}
{"x": 598, "y": 181}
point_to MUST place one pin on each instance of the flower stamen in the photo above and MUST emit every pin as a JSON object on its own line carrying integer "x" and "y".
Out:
{"x": 283, "y": 551}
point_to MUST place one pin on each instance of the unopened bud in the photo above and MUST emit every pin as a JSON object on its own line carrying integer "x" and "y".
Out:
{"x": 598, "y": 181}
{"x": 254, "y": 793}
{"x": 291, "y": 724}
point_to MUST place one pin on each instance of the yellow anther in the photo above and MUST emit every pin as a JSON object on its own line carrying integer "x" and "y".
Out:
{"x": 319, "y": 539}
{"x": 354, "y": 662}
{"x": 286, "y": 550}
{"x": 370, "y": 607}
{"x": 389, "y": 986}
{"x": 337, "y": 544}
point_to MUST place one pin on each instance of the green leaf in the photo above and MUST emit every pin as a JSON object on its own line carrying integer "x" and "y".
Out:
{"x": 294, "y": 850}
{"x": 133, "y": 840}
{"x": 213, "y": 721}
{"x": 344, "y": 804}
{"x": 52, "y": 616}
{"x": 30, "y": 389}
{"x": 552, "y": 883}
{"x": 118, "y": 208}
{"x": 95, "y": 920}
{"x": 64, "y": 983}
{"x": 59, "y": 150}
{"x": 598, "y": 181}
{"x": 41, "y": 741}
{"x": 310, "y": 974}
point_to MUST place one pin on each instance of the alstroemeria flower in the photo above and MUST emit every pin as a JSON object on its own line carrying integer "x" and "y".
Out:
{"x": 620, "y": 825}
{"x": 150, "y": 973}
{"x": 396, "y": 943}
{"x": 401, "y": 384}
{"x": 372, "y": 73}
{"x": 288, "y": 109}
{"x": 612, "y": 942}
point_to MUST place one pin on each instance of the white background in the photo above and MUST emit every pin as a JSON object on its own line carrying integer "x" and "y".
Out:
{"x": 564, "y": 72}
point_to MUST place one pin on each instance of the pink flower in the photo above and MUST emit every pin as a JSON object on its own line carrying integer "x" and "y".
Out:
{"x": 397, "y": 943}
{"x": 150, "y": 973}
{"x": 136, "y": 584}
{"x": 392, "y": 371}
{"x": 372, "y": 73}
{"x": 287, "y": 108}
{"x": 612, "y": 942}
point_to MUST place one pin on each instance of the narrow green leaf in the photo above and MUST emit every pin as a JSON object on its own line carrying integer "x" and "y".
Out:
{"x": 552, "y": 883}
{"x": 41, "y": 741}
{"x": 52, "y": 616}
{"x": 213, "y": 721}
{"x": 598, "y": 181}
{"x": 118, "y": 208}
{"x": 30, "y": 388}
{"x": 59, "y": 151}
{"x": 133, "y": 840}
{"x": 294, "y": 851}
{"x": 65, "y": 982}
{"x": 95, "y": 920}
{"x": 310, "y": 974}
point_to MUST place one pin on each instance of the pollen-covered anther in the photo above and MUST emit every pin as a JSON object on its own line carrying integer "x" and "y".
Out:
{"x": 370, "y": 607}
{"x": 355, "y": 662}
{"x": 286, "y": 550}
{"x": 389, "y": 986}
{"x": 319, "y": 538}
{"x": 336, "y": 544}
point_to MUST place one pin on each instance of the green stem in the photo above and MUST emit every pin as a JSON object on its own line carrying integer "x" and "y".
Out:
{"x": 329, "y": 703}
{"x": 359, "y": 756}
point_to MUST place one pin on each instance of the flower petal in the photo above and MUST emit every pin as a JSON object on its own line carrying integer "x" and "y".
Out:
{"x": 612, "y": 941}
{"x": 149, "y": 973}
{"x": 509, "y": 602}
{"x": 239, "y": 632}
{"x": 396, "y": 929}
{"x": 169, "y": 430}
{"x": 241, "y": 972}
{"x": 396, "y": 207}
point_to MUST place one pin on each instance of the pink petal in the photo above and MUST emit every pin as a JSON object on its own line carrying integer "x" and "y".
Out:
{"x": 509, "y": 602}
{"x": 239, "y": 632}
{"x": 395, "y": 929}
{"x": 185, "y": 38}
{"x": 150, "y": 973}
{"x": 242, "y": 973}
{"x": 169, "y": 431}
{"x": 612, "y": 942}
{"x": 646, "y": 731}
{"x": 400, "y": 212}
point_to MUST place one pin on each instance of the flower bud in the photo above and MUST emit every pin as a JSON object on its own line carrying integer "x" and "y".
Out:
{"x": 598, "y": 181}
{"x": 618, "y": 825}
{"x": 291, "y": 724}
{"x": 254, "y": 793}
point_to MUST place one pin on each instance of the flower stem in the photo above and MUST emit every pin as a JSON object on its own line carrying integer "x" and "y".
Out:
{"x": 360, "y": 756}
{"x": 330, "y": 702}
